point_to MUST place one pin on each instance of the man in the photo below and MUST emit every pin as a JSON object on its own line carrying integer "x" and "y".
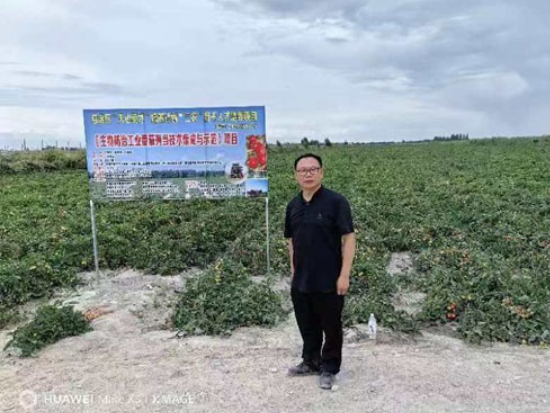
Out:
{"x": 321, "y": 245}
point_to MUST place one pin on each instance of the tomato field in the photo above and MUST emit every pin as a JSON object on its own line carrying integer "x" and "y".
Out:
{"x": 474, "y": 214}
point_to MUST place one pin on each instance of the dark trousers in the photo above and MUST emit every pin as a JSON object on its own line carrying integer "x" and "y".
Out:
{"x": 318, "y": 313}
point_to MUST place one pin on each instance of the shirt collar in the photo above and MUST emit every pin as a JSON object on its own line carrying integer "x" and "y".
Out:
{"x": 316, "y": 195}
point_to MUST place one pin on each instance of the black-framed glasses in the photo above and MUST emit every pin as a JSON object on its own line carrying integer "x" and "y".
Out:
{"x": 305, "y": 171}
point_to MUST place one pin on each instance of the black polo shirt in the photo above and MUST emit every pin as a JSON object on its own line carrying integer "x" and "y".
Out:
{"x": 316, "y": 228}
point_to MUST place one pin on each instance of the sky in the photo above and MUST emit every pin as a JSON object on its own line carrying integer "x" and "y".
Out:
{"x": 349, "y": 70}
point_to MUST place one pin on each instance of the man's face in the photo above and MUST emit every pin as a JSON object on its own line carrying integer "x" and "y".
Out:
{"x": 309, "y": 173}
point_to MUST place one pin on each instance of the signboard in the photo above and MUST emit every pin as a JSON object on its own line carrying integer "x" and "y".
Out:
{"x": 176, "y": 153}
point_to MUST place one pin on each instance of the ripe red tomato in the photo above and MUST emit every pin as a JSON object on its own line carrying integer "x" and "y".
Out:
{"x": 262, "y": 159}
{"x": 253, "y": 163}
{"x": 261, "y": 151}
{"x": 256, "y": 146}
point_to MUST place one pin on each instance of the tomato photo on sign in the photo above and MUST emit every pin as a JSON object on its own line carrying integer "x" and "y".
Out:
{"x": 258, "y": 149}
{"x": 253, "y": 163}
{"x": 256, "y": 156}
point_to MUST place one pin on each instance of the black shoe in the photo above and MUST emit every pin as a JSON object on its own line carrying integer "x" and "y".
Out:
{"x": 303, "y": 369}
{"x": 326, "y": 380}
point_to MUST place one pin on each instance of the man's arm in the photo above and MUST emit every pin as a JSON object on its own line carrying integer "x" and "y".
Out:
{"x": 348, "y": 253}
{"x": 291, "y": 255}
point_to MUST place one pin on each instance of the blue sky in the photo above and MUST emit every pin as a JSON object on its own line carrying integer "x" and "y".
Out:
{"x": 356, "y": 70}
{"x": 257, "y": 185}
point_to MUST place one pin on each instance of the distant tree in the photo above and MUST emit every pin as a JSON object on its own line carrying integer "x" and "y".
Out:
{"x": 279, "y": 144}
{"x": 453, "y": 137}
{"x": 305, "y": 142}
{"x": 328, "y": 142}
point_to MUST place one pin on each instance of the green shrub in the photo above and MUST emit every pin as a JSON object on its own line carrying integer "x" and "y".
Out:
{"x": 42, "y": 161}
{"x": 31, "y": 278}
{"x": 371, "y": 290}
{"x": 50, "y": 325}
{"x": 225, "y": 298}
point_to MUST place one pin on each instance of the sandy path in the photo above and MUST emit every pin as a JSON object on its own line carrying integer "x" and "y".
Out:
{"x": 125, "y": 365}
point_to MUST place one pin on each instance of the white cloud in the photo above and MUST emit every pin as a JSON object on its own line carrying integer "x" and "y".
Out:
{"x": 348, "y": 70}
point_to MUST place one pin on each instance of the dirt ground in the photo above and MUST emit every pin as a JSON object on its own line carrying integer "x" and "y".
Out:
{"x": 129, "y": 363}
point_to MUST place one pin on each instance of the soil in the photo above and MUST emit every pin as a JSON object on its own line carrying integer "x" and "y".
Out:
{"x": 133, "y": 362}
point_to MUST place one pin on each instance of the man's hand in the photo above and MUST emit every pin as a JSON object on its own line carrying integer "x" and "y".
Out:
{"x": 342, "y": 285}
{"x": 348, "y": 252}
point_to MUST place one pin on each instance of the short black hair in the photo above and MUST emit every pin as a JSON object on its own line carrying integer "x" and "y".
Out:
{"x": 308, "y": 155}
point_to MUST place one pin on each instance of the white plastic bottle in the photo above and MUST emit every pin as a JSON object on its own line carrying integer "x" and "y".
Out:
{"x": 372, "y": 327}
